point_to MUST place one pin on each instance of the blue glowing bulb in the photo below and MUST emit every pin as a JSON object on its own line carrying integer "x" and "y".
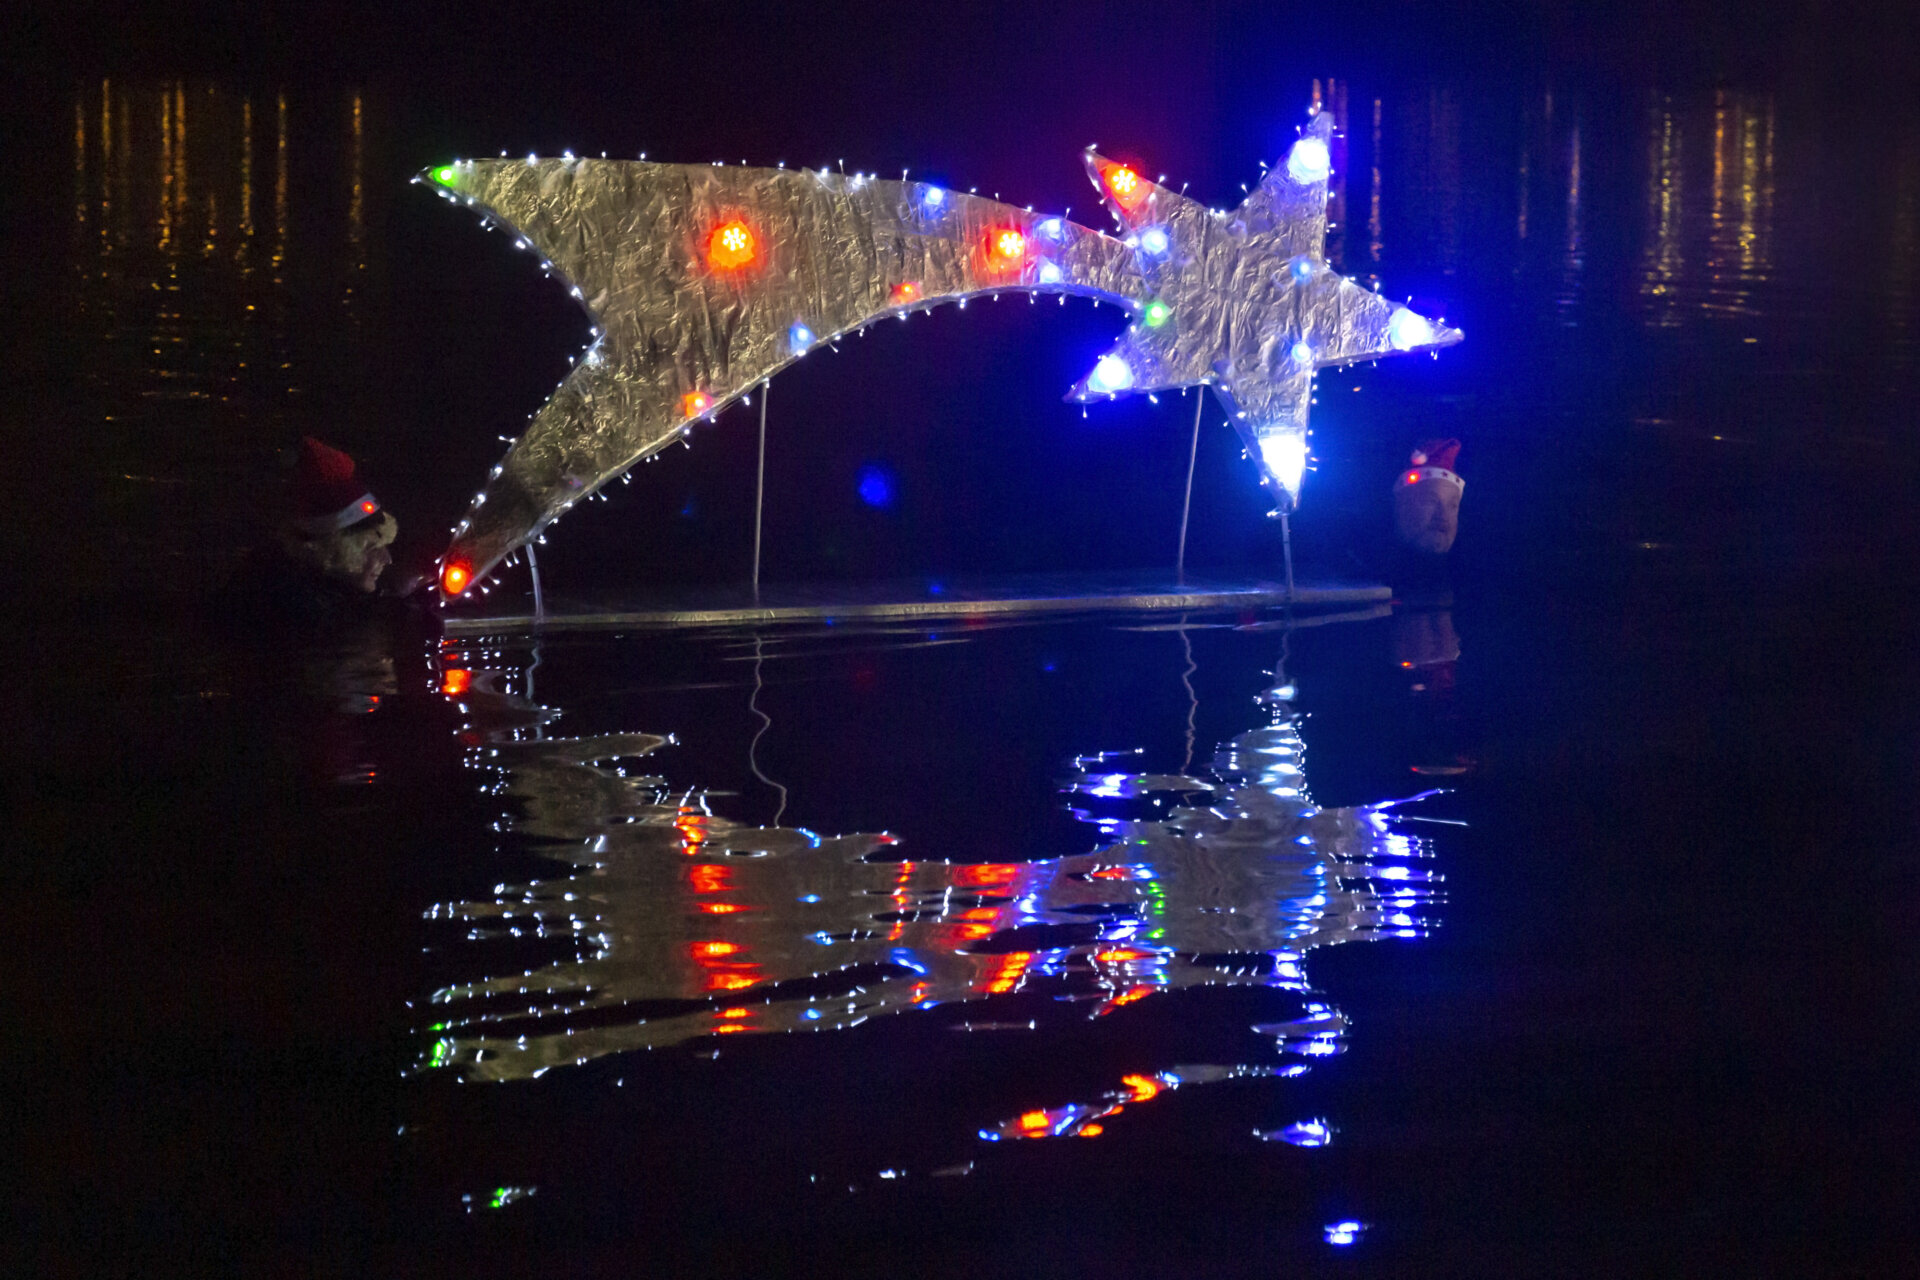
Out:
{"x": 1405, "y": 330}
{"x": 875, "y": 486}
{"x": 1110, "y": 375}
{"x": 1303, "y": 269}
{"x": 1309, "y": 162}
{"x": 933, "y": 197}
{"x": 1049, "y": 272}
{"x": 1154, "y": 241}
{"x": 1302, "y": 353}
{"x": 799, "y": 338}
{"x": 1050, "y": 229}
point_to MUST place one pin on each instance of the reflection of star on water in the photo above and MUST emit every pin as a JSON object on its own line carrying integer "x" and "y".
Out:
{"x": 684, "y": 924}
{"x": 1244, "y": 302}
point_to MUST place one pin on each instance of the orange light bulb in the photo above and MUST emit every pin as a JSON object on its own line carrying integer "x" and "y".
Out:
{"x": 456, "y": 682}
{"x": 731, "y": 246}
{"x": 1125, "y": 186}
{"x": 454, "y": 579}
{"x": 695, "y": 403}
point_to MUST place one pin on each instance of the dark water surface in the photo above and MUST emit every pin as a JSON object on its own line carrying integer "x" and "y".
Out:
{"x": 983, "y": 950}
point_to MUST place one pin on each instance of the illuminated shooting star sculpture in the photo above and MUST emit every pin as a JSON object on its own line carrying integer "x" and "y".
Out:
{"x": 703, "y": 281}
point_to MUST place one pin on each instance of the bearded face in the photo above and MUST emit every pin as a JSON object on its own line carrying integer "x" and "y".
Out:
{"x": 1427, "y": 515}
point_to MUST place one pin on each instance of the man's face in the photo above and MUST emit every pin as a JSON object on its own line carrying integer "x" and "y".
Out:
{"x": 1427, "y": 515}
{"x": 377, "y": 560}
{"x": 360, "y": 554}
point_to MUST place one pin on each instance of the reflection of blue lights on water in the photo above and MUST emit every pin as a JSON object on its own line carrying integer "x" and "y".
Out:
{"x": 1306, "y": 1133}
{"x": 1344, "y": 1232}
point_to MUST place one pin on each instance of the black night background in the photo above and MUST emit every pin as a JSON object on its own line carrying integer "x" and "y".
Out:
{"x": 1659, "y": 1021}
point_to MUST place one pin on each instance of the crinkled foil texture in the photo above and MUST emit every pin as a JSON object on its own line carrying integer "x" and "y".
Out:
{"x": 833, "y": 253}
{"x": 1251, "y": 307}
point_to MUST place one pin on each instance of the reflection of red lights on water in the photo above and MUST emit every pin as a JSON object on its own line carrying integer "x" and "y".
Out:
{"x": 455, "y": 682}
{"x": 707, "y": 878}
{"x": 985, "y": 873}
{"x": 1034, "y": 1121}
{"x": 692, "y": 826}
{"x": 732, "y": 1013}
{"x": 1111, "y": 873}
{"x": 714, "y": 950}
{"x": 1144, "y": 1088}
{"x": 1126, "y": 997}
{"x": 980, "y": 913}
{"x": 1013, "y": 967}
{"x": 1091, "y": 1130}
{"x": 1120, "y": 954}
{"x": 721, "y": 908}
{"x": 729, "y": 981}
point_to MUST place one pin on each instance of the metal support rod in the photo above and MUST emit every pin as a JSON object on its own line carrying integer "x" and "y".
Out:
{"x": 1193, "y": 453}
{"x": 760, "y": 487}
{"x": 539, "y": 605}
{"x": 1286, "y": 550}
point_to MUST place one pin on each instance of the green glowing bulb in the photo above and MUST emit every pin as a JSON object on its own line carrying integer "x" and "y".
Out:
{"x": 1157, "y": 313}
{"x": 444, "y": 175}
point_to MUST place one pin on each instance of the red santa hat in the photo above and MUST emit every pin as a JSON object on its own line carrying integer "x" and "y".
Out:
{"x": 327, "y": 495}
{"x": 1433, "y": 460}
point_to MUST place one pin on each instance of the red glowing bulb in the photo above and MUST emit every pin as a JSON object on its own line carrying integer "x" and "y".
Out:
{"x": 905, "y": 292}
{"x": 731, "y": 246}
{"x": 1007, "y": 246}
{"x": 368, "y": 507}
{"x": 695, "y": 403}
{"x": 456, "y": 682}
{"x": 454, "y": 578}
{"x": 1125, "y": 186}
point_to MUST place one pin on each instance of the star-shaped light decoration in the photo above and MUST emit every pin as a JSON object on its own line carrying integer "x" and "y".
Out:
{"x": 703, "y": 281}
{"x": 1245, "y": 303}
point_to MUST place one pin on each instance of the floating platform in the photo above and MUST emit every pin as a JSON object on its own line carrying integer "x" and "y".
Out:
{"x": 1000, "y": 598}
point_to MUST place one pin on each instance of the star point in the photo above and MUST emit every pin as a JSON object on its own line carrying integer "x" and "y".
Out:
{"x": 1248, "y": 303}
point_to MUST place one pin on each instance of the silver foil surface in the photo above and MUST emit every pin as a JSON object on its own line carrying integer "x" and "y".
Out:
{"x": 686, "y": 322}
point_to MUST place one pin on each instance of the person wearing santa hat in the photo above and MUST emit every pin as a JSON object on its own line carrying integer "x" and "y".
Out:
{"x": 1426, "y": 498}
{"x": 334, "y": 528}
